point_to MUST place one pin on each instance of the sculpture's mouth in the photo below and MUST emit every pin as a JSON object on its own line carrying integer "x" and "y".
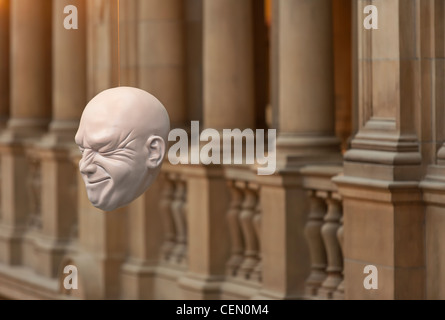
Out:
{"x": 100, "y": 180}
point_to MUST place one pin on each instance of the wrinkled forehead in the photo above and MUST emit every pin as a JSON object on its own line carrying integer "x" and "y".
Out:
{"x": 97, "y": 134}
{"x": 108, "y": 121}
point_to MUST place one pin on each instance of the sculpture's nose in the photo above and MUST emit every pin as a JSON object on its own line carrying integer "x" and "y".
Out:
{"x": 86, "y": 165}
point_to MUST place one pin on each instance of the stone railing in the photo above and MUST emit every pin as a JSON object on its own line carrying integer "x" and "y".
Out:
{"x": 174, "y": 217}
{"x": 243, "y": 268}
{"x": 324, "y": 233}
{"x": 219, "y": 237}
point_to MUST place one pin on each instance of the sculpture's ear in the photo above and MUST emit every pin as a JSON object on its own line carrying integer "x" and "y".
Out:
{"x": 156, "y": 151}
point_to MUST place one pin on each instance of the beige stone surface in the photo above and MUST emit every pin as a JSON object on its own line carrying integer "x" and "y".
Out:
{"x": 207, "y": 204}
{"x": 194, "y": 55}
{"x": 385, "y": 87}
{"x": 285, "y": 253}
{"x": 69, "y": 63}
{"x": 31, "y": 49}
{"x": 228, "y": 82}
{"x": 137, "y": 282}
{"x": 4, "y": 60}
{"x": 161, "y": 60}
{"x": 385, "y": 44}
{"x": 206, "y": 61}
{"x": 306, "y": 83}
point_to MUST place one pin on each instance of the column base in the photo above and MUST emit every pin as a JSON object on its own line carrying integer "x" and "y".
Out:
{"x": 197, "y": 287}
{"x": 339, "y": 294}
{"x": 48, "y": 256}
{"x": 313, "y": 283}
{"x": 284, "y": 250}
{"x": 384, "y": 227}
{"x": 11, "y": 245}
{"x": 433, "y": 189}
{"x": 20, "y": 130}
{"x": 239, "y": 289}
{"x": 138, "y": 281}
{"x": 329, "y": 286}
{"x": 15, "y": 200}
{"x": 166, "y": 285}
{"x": 295, "y": 151}
{"x": 272, "y": 295}
{"x": 58, "y": 205}
{"x": 97, "y": 277}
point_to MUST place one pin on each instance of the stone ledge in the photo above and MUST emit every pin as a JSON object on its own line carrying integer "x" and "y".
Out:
{"x": 24, "y": 284}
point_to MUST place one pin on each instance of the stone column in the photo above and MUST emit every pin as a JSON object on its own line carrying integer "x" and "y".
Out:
{"x": 69, "y": 69}
{"x": 128, "y": 26}
{"x": 208, "y": 235}
{"x": 303, "y": 103}
{"x": 228, "y": 102}
{"x": 4, "y": 68}
{"x": 144, "y": 241}
{"x": 30, "y": 112}
{"x": 383, "y": 211}
{"x": 145, "y": 28}
{"x": 4, "y": 62}
{"x": 162, "y": 55}
{"x": 432, "y": 121}
{"x": 194, "y": 55}
{"x": 58, "y": 202}
{"x": 30, "y": 66}
{"x": 102, "y": 46}
{"x": 102, "y": 236}
{"x": 228, "y": 64}
{"x": 304, "y": 86}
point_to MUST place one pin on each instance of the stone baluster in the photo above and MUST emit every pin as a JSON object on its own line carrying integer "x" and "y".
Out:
{"x": 317, "y": 251}
{"x": 73, "y": 193}
{"x": 247, "y": 226}
{"x": 333, "y": 250}
{"x": 167, "y": 219}
{"x": 34, "y": 189}
{"x": 180, "y": 250}
{"x": 184, "y": 212}
{"x": 339, "y": 294}
{"x": 236, "y": 237}
{"x": 256, "y": 275}
{"x": 1, "y": 211}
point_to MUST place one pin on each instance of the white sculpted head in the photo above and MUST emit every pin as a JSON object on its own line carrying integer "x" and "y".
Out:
{"x": 123, "y": 136}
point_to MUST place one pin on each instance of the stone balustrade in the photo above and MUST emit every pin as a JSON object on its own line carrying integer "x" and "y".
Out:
{"x": 34, "y": 185}
{"x": 244, "y": 221}
{"x": 174, "y": 218}
{"x": 324, "y": 233}
{"x": 244, "y": 266}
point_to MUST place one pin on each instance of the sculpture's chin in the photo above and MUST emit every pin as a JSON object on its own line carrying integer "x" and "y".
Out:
{"x": 112, "y": 204}
{"x": 105, "y": 207}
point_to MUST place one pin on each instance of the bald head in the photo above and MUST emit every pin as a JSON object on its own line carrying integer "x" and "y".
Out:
{"x": 125, "y": 110}
{"x": 122, "y": 135}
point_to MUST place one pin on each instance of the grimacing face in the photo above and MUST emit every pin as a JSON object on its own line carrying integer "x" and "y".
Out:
{"x": 121, "y": 135}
